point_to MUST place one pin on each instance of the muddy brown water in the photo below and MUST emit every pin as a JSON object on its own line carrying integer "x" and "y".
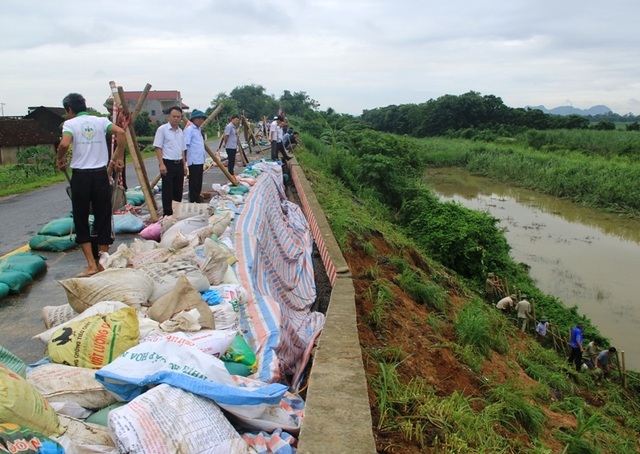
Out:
{"x": 583, "y": 256}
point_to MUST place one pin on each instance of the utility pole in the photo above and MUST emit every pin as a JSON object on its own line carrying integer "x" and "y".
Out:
{"x": 2, "y": 106}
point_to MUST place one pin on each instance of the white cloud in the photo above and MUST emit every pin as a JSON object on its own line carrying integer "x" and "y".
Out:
{"x": 347, "y": 55}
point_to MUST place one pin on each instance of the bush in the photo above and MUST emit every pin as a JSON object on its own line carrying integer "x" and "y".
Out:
{"x": 36, "y": 161}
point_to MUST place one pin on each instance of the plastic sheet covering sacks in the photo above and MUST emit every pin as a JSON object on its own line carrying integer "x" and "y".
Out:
{"x": 274, "y": 250}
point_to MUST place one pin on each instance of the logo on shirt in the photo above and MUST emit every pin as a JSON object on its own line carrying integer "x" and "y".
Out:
{"x": 87, "y": 130}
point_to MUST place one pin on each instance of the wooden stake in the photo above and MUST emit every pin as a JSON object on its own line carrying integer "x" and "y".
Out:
{"x": 623, "y": 369}
{"x": 138, "y": 107}
{"x": 134, "y": 150}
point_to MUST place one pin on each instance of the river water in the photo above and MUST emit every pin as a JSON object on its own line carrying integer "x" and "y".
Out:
{"x": 583, "y": 256}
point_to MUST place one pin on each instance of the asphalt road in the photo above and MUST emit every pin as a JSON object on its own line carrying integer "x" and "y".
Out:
{"x": 21, "y": 217}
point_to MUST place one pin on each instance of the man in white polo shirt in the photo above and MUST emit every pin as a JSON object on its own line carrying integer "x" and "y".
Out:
{"x": 171, "y": 152}
{"x": 89, "y": 179}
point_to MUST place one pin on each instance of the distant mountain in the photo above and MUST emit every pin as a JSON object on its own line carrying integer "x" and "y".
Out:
{"x": 570, "y": 110}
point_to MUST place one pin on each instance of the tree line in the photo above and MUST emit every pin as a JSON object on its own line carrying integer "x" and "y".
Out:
{"x": 451, "y": 115}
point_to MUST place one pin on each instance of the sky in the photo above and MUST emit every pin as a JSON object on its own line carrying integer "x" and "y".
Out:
{"x": 350, "y": 55}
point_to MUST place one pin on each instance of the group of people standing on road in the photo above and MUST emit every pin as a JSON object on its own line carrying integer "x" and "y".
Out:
{"x": 282, "y": 138}
{"x": 178, "y": 152}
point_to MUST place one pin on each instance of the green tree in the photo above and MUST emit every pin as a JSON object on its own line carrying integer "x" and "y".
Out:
{"x": 254, "y": 101}
{"x": 605, "y": 125}
{"x": 142, "y": 124}
{"x": 297, "y": 103}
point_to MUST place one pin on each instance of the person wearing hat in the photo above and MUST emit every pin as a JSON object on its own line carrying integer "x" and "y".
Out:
{"x": 541, "y": 330}
{"x": 194, "y": 140}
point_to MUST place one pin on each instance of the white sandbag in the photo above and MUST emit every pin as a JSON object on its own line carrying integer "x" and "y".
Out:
{"x": 226, "y": 316}
{"x": 167, "y": 420}
{"x": 148, "y": 327}
{"x": 211, "y": 257}
{"x": 127, "y": 285}
{"x": 232, "y": 293}
{"x": 213, "y": 342}
{"x": 230, "y": 277}
{"x": 186, "y": 320}
{"x": 102, "y": 308}
{"x": 121, "y": 258}
{"x": 268, "y": 417}
{"x": 81, "y": 437}
{"x": 183, "y": 228}
{"x": 220, "y": 222}
{"x": 71, "y": 409}
{"x": 56, "y": 315}
{"x": 62, "y": 383}
{"x": 139, "y": 245}
{"x": 184, "y": 210}
{"x": 165, "y": 275}
{"x": 197, "y": 237}
{"x": 157, "y": 255}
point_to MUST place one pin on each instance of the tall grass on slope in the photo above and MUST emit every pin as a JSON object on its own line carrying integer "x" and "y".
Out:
{"x": 479, "y": 327}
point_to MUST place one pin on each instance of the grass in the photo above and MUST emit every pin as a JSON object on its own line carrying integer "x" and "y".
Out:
{"x": 512, "y": 409}
{"x": 481, "y": 329}
{"x": 13, "y": 180}
{"x": 428, "y": 294}
{"x": 505, "y": 418}
{"x": 381, "y": 297}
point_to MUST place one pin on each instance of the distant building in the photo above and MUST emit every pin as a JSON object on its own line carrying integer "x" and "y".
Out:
{"x": 17, "y": 135}
{"x": 49, "y": 118}
{"x": 156, "y": 102}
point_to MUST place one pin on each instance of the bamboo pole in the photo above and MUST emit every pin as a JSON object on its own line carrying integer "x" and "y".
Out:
{"x": 212, "y": 115}
{"x": 138, "y": 163}
{"x": 622, "y": 368}
{"x": 140, "y": 103}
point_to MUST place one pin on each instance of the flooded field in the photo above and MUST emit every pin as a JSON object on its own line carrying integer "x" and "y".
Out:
{"x": 583, "y": 256}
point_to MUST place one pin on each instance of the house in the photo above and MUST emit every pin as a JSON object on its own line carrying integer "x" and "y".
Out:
{"x": 17, "y": 135}
{"x": 49, "y": 118}
{"x": 156, "y": 102}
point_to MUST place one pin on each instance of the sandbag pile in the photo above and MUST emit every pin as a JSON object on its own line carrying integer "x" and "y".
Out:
{"x": 19, "y": 270}
{"x": 150, "y": 355}
{"x": 55, "y": 236}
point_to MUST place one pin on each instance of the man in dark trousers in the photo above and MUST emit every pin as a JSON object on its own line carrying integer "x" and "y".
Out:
{"x": 170, "y": 151}
{"x": 196, "y": 154}
{"x": 90, "y": 186}
{"x": 575, "y": 339}
{"x": 230, "y": 142}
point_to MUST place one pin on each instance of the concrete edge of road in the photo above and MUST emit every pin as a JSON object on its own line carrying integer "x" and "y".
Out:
{"x": 337, "y": 412}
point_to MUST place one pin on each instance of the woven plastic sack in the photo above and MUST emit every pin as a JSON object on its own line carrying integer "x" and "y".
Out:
{"x": 26, "y": 262}
{"x": 15, "y": 280}
{"x": 58, "y": 227}
{"x": 52, "y": 243}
